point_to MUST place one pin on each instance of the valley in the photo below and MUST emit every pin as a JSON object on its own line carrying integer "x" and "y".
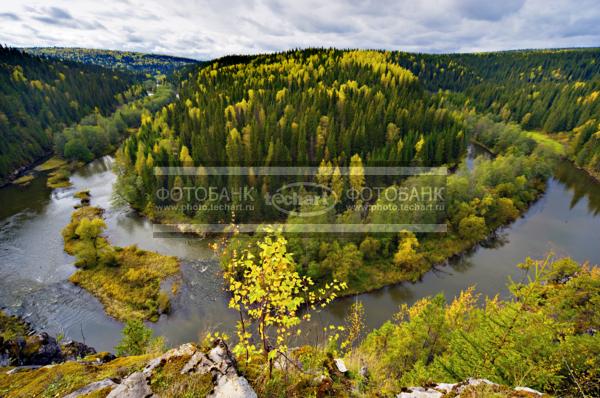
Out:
{"x": 510, "y": 138}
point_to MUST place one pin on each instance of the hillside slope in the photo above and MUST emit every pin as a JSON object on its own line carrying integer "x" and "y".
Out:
{"x": 40, "y": 96}
{"x": 298, "y": 108}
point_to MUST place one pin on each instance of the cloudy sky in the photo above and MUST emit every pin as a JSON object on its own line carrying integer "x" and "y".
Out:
{"x": 211, "y": 28}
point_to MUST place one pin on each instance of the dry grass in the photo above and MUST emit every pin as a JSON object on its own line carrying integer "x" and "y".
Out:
{"x": 12, "y": 326}
{"x": 131, "y": 289}
{"x": 51, "y": 164}
{"x": 59, "y": 178}
{"x": 23, "y": 180}
{"x": 62, "y": 379}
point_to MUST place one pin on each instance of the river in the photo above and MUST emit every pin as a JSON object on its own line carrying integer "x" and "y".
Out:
{"x": 34, "y": 269}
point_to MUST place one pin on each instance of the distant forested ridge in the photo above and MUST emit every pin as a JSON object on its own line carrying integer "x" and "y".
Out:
{"x": 41, "y": 96}
{"x": 122, "y": 60}
{"x": 553, "y": 91}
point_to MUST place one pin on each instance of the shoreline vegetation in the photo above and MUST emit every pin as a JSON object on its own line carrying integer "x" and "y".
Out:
{"x": 58, "y": 172}
{"x": 126, "y": 280}
{"x": 494, "y": 208}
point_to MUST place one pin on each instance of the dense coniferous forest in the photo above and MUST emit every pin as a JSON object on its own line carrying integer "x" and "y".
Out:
{"x": 97, "y": 135}
{"x": 553, "y": 91}
{"x": 121, "y": 60}
{"x": 40, "y": 96}
{"x": 299, "y": 108}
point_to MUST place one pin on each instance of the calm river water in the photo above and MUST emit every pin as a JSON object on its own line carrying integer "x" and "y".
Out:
{"x": 34, "y": 268}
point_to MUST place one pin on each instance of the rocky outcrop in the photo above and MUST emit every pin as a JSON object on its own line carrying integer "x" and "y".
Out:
{"x": 134, "y": 386}
{"x": 40, "y": 349}
{"x": 468, "y": 388}
{"x": 221, "y": 364}
{"x": 73, "y": 350}
{"x": 93, "y": 387}
{"x": 218, "y": 363}
{"x": 21, "y": 345}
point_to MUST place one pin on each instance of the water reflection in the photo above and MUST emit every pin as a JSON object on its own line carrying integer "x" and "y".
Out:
{"x": 580, "y": 185}
{"x": 15, "y": 199}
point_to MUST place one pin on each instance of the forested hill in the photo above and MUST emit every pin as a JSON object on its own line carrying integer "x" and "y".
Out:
{"x": 122, "y": 60}
{"x": 39, "y": 96}
{"x": 553, "y": 91}
{"x": 297, "y": 108}
{"x": 463, "y": 70}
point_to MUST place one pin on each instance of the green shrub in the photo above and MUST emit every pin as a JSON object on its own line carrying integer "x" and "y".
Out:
{"x": 136, "y": 338}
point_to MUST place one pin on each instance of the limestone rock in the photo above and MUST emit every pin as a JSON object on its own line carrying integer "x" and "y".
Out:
{"x": 92, "y": 387}
{"x": 222, "y": 358}
{"x": 341, "y": 366}
{"x": 221, "y": 364}
{"x": 187, "y": 349}
{"x": 472, "y": 382}
{"x": 198, "y": 363}
{"x": 529, "y": 390}
{"x": 445, "y": 387}
{"x": 137, "y": 385}
{"x": 22, "y": 369}
{"x": 420, "y": 392}
{"x": 232, "y": 386}
{"x": 457, "y": 389}
{"x": 134, "y": 386}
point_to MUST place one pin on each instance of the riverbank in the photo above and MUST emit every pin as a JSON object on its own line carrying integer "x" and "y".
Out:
{"x": 24, "y": 170}
{"x": 372, "y": 272}
{"x": 450, "y": 341}
{"x": 560, "y": 143}
{"x": 21, "y": 345}
{"x": 436, "y": 253}
{"x": 124, "y": 119}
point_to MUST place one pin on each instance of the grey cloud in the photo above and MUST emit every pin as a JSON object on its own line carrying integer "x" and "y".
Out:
{"x": 489, "y": 10}
{"x": 61, "y": 17}
{"x": 583, "y": 29}
{"x": 9, "y": 15}
{"x": 135, "y": 39}
{"x": 315, "y": 25}
{"x": 59, "y": 13}
{"x": 50, "y": 21}
{"x": 265, "y": 29}
{"x": 71, "y": 23}
{"x": 211, "y": 28}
